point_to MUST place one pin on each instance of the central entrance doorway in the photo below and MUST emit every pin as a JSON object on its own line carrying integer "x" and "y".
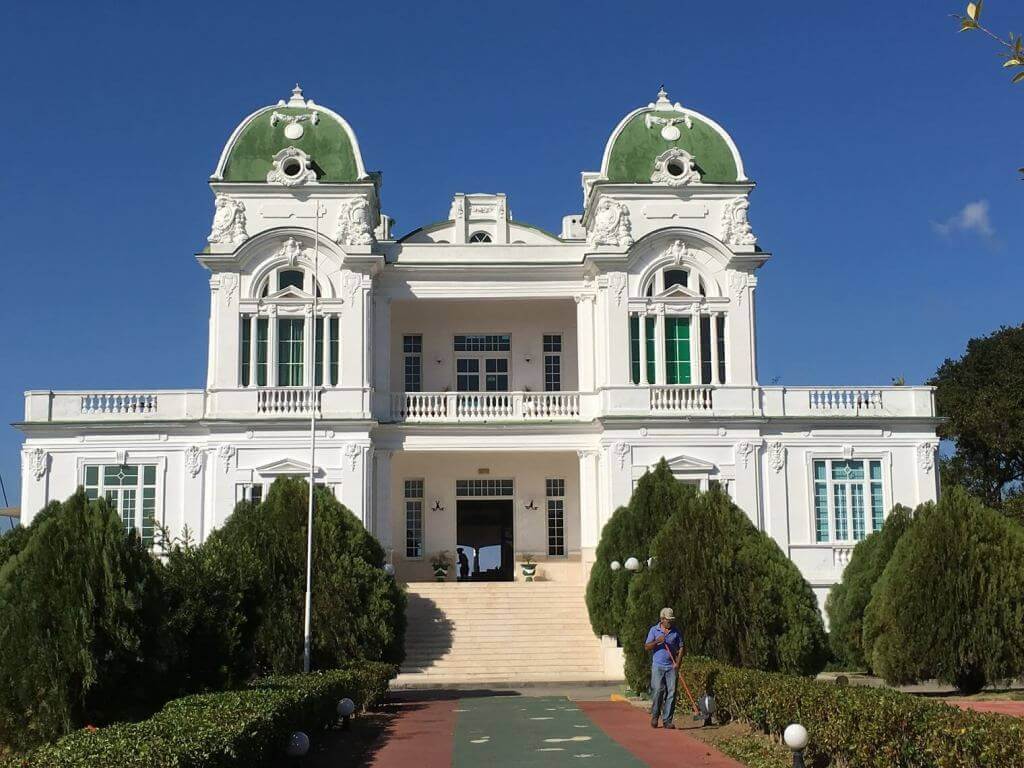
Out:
{"x": 484, "y": 534}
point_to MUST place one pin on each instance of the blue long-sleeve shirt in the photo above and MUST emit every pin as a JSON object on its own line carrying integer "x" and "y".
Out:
{"x": 674, "y": 639}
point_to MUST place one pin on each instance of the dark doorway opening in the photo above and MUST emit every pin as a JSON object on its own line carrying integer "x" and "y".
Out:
{"x": 484, "y": 534}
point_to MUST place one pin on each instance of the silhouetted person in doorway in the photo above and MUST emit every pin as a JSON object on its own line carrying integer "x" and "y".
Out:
{"x": 463, "y": 563}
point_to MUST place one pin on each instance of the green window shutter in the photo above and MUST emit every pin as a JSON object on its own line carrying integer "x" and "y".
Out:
{"x": 677, "y": 350}
{"x": 261, "y": 351}
{"x": 290, "y": 352}
{"x": 318, "y": 353}
{"x": 335, "y": 351}
{"x": 652, "y": 358}
{"x": 634, "y": 348}
{"x": 244, "y": 349}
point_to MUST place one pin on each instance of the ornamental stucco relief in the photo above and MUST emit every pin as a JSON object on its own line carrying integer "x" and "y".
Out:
{"x": 776, "y": 456}
{"x": 38, "y": 462}
{"x": 226, "y": 452}
{"x": 291, "y": 249}
{"x": 193, "y": 460}
{"x": 229, "y": 286}
{"x": 738, "y": 286}
{"x": 735, "y": 226}
{"x": 352, "y": 453}
{"x": 611, "y": 225}
{"x": 617, "y": 285}
{"x": 675, "y": 167}
{"x": 669, "y": 129}
{"x": 926, "y": 456}
{"x": 291, "y": 168}
{"x": 354, "y": 226}
{"x": 743, "y": 450}
{"x": 228, "y": 221}
{"x": 621, "y": 451}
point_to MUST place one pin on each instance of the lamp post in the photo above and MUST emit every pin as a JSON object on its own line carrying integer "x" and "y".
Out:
{"x": 795, "y": 737}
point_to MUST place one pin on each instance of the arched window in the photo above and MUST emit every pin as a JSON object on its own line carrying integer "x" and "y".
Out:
{"x": 480, "y": 237}
{"x": 290, "y": 278}
{"x": 668, "y": 277}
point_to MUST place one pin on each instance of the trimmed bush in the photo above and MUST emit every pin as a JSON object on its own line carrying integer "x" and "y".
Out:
{"x": 950, "y": 603}
{"x": 859, "y": 726}
{"x": 736, "y": 596}
{"x": 358, "y": 610}
{"x": 629, "y": 533}
{"x": 77, "y": 600}
{"x": 247, "y": 727}
{"x": 849, "y": 598}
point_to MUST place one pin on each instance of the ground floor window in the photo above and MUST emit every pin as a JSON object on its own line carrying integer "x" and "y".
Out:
{"x": 848, "y": 499}
{"x": 414, "y": 518}
{"x": 555, "y": 492}
{"x": 130, "y": 489}
{"x": 249, "y": 492}
{"x": 485, "y": 487}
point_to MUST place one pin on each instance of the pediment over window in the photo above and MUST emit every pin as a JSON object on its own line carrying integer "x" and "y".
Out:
{"x": 290, "y": 293}
{"x": 689, "y": 464}
{"x": 287, "y": 467}
{"x": 678, "y": 292}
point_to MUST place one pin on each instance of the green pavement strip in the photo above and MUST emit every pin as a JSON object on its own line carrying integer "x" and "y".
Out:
{"x": 523, "y": 731}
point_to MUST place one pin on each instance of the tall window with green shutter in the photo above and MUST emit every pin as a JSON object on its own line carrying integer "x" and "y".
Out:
{"x": 130, "y": 489}
{"x": 290, "y": 352}
{"x": 262, "y": 329}
{"x": 634, "y": 348}
{"x": 848, "y": 499}
{"x": 246, "y": 347}
{"x": 677, "y": 350}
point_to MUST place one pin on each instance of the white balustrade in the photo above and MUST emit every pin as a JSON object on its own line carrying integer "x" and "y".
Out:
{"x": 483, "y": 406}
{"x": 551, "y": 405}
{"x": 681, "y": 399}
{"x": 118, "y": 403}
{"x": 844, "y": 399}
{"x": 841, "y": 556}
{"x": 287, "y": 401}
{"x": 419, "y": 406}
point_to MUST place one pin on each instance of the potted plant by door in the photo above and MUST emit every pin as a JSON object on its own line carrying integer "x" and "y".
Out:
{"x": 441, "y": 562}
{"x": 529, "y": 567}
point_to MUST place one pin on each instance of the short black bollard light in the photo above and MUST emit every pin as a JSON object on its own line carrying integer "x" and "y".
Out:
{"x": 795, "y": 737}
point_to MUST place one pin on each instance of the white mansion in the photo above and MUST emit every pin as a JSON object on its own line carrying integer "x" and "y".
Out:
{"x": 482, "y": 383}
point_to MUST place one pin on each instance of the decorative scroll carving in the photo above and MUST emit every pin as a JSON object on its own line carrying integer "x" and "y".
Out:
{"x": 228, "y": 221}
{"x": 676, "y": 168}
{"x": 669, "y": 131}
{"x": 193, "y": 459}
{"x": 621, "y": 451}
{"x": 678, "y": 252}
{"x": 354, "y": 225}
{"x": 617, "y": 284}
{"x": 229, "y": 284}
{"x": 738, "y": 286}
{"x": 351, "y": 282}
{"x": 611, "y": 225}
{"x": 227, "y": 454}
{"x": 352, "y": 452}
{"x": 293, "y": 123}
{"x": 291, "y": 249}
{"x": 776, "y": 455}
{"x": 743, "y": 450}
{"x": 735, "y": 226}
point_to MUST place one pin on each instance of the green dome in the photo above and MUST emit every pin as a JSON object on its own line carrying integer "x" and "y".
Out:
{"x": 632, "y": 151}
{"x": 325, "y": 137}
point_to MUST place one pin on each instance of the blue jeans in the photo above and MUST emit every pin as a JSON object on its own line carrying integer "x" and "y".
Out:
{"x": 663, "y": 692}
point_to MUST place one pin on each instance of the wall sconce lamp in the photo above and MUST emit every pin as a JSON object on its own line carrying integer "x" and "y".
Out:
{"x": 531, "y": 507}
{"x": 437, "y": 506}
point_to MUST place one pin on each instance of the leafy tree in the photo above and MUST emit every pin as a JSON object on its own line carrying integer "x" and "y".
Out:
{"x": 75, "y": 603}
{"x": 358, "y": 610}
{"x": 848, "y": 599}
{"x": 629, "y": 533}
{"x": 736, "y": 595}
{"x": 14, "y": 540}
{"x": 982, "y": 397}
{"x": 950, "y": 603}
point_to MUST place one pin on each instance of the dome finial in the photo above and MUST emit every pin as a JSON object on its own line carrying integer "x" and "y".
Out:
{"x": 663, "y": 104}
{"x": 296, "y": 100}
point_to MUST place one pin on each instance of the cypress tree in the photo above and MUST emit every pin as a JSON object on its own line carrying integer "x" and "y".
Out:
{"x": 358, "y": 610}
{"x": 73, "y": 624}
{"x": 736, "y": 596}
{"x": 629, "y": 533}
{"x": 847, "y": 601}
{"x": 950, "y": 603}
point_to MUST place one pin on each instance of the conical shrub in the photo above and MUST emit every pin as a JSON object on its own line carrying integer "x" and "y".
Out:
{"x": 950, "y": 603}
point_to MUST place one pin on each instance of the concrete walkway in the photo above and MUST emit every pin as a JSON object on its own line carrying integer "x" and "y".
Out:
{"x": 533, "y": 731}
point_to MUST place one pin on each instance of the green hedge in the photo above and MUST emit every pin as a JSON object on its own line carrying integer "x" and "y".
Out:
{"x": 858, "y": 726}
{"x": 247, "y": 727}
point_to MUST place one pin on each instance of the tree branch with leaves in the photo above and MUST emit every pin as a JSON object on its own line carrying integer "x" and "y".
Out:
{"x": 1013, "y": 56}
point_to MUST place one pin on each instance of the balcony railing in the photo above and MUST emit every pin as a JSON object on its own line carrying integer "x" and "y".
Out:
{"x": 681, "y": 399}
{"x": 845, "y": 400}
{"x": 287, "y": 401}
{"x": 118, "y": 403}
{"x": 484, "y": 406}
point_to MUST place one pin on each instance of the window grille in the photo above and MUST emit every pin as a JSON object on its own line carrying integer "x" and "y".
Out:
{"x": 124, "y": 487}
{"x": 483, "y": 487}
{"x": 848, "y": 499}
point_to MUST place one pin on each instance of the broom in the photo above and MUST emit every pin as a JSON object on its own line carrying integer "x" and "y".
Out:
{"x": 682, "y": 679}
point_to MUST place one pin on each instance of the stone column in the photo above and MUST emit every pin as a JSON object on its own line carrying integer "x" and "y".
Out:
{"x": 272, "y": 346}
{"x": 584, "y": 342}
{"x": 382, "y": 516}
{"x": 642, "y": 326}
{"x": 590, "y": 515}
{"x": 696, "y": 364}
{"x": 660, "y": 369}
{"x": 253, "y": 341}
{"x": 713, "y": 340}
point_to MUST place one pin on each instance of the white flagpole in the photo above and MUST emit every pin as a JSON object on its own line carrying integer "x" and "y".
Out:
{"x": 308, "y": 632}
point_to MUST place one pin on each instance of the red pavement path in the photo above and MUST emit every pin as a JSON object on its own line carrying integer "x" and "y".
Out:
{"x": 420, "y": 736}
{"x": 631, "y": 727}
{"x": 1013, "y": 708}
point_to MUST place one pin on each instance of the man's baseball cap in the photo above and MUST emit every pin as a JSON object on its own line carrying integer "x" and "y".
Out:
{"x": 666, "y": 613}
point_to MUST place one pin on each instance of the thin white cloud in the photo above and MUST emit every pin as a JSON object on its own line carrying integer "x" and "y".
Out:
{"x": 973, "y": 217}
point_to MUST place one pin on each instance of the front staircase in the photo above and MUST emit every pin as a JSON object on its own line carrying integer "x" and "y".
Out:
{"x": 508, "y": 633}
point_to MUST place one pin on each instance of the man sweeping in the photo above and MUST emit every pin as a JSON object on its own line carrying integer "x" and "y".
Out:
{"x": 667, "y": 643}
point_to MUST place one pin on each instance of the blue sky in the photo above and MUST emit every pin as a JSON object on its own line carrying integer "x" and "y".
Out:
{"x": 884, "y": 145}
